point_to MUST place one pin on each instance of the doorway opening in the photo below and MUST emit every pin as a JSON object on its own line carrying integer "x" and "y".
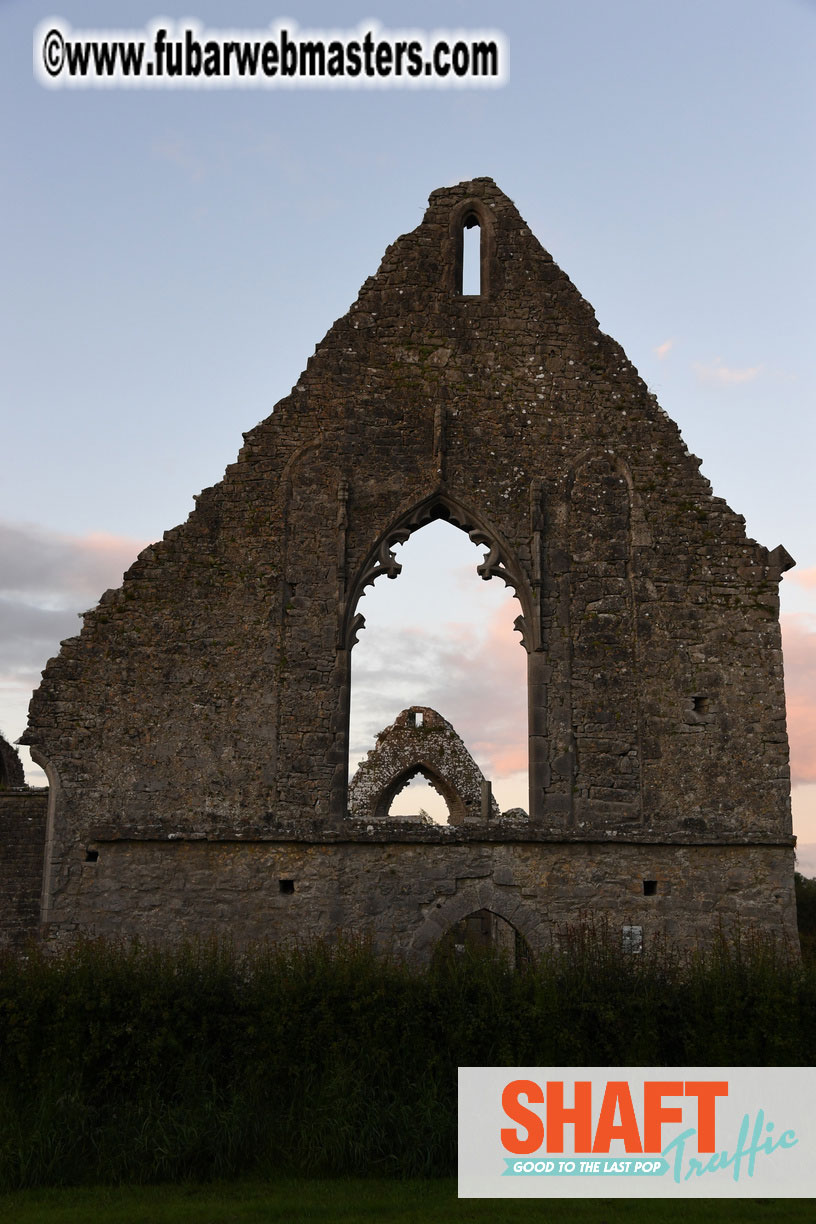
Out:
{"x": 484, "y": 933}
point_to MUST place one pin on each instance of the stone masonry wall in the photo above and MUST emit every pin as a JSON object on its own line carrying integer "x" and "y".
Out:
{"x": 420, "y": 740}
{"x": 208, "y": 698}
{"x": 22, "y": 841}
{"x": 404, "y": 895}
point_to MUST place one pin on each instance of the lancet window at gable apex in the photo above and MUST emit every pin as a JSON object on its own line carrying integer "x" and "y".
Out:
{"x": 473, "y": 248}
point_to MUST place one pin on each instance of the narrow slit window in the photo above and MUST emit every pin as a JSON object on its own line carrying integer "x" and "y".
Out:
{"x": 471, "y": 257}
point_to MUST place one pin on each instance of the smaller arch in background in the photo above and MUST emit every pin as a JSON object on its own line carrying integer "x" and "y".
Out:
{"x": 455, "y": 806}
{"x": 410, "y": 746}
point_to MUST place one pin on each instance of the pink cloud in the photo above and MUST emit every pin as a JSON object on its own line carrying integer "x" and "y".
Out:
{"x": 664, "y": 349}
{"x": 716, "y": 372}
{"x": 473, "y": 673}
{"x": 39, "y": 565}
{"x": 46, "y": 578}
{"x": 489, "y": 701}
{"x": 799, "y": 642}
{"x": 805, "y": 578}
{"x": 104, "y": 542}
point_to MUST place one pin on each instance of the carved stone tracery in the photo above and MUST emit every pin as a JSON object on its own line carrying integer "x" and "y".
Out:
{"x": 381, "y": 560}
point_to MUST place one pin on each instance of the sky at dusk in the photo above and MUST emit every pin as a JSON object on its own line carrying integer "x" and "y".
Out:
{"x": 171, "y": 259}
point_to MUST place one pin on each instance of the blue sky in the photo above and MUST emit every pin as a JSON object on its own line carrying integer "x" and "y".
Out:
{"x": 170, "y": 260}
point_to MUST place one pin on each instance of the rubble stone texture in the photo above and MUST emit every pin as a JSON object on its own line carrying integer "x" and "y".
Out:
{"x": 422, "y": 742}
{"x": 195, "y": 734}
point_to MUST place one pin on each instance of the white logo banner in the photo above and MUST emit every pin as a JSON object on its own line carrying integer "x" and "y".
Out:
{"x": 637, "y": 1132}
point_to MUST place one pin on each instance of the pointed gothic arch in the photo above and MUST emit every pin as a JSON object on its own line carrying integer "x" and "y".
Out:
{"x": 469, "y": 213}
{"x": 421, "y": 769}
{"x": 532, "y": 924}
{"x": 501, "y": 562}
{"x": 484, "y": 932}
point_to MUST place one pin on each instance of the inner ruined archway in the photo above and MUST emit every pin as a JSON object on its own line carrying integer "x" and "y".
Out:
{"x": 417, "y": 795}
{"x": 421, "y": 800}
{"x": 441, "y": 637}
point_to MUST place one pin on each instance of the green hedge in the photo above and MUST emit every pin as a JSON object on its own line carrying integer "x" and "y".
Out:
{"x": 134, "y": 1064}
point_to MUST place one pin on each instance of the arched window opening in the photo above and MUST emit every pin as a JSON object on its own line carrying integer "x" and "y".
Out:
{"x": 440, "y": 637}
{"x": 484, "y": 933}
{"x": 418, "y": 799}
{"x": 471, "y": 285}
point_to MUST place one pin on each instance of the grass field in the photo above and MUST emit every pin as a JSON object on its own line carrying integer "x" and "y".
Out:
{"x": 357, "y": 1201}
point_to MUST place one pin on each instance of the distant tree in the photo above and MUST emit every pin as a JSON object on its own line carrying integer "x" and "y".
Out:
{"x": 806, "y": 912}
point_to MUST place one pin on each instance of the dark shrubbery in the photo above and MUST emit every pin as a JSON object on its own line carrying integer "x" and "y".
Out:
{"x": 133, "y": 1064}
{"x": 806, "y": 914}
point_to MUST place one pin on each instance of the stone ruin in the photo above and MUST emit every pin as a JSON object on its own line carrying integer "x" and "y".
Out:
{"x": 421, "y": 742}
{"x": 195, "y": 733}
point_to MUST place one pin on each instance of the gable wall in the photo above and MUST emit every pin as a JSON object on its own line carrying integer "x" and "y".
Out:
{"x": 209, "y": 696}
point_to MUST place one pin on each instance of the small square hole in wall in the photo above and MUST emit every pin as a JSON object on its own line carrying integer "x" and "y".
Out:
{"x": 91, "y": 856}
{"x": 286, "y": 886}
{"x": 700, "y": 704}
{"x": 649, "y": 888}
{"x": 418, "y": 717}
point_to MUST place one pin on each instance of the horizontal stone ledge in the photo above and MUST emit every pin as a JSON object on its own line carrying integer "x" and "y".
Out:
{"x": 489, "y": 833}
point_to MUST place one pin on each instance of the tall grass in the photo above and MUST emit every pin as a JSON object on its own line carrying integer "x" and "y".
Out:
{"x": 137, "y": 1064}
